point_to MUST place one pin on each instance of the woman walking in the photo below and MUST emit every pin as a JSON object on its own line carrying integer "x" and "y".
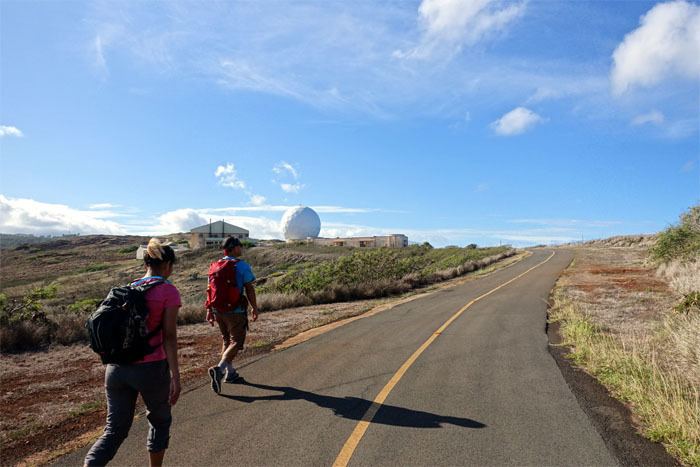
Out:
{"x": 156, "y": 377}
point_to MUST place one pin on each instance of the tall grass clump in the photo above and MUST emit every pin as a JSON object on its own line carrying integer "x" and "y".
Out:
{"x": 666, "y": 400}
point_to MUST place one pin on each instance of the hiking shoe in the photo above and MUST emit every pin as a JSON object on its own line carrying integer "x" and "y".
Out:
{"x": 216, "y": 375}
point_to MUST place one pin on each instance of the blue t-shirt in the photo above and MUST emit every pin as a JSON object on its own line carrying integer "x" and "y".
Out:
{"x": 244, "y": 275}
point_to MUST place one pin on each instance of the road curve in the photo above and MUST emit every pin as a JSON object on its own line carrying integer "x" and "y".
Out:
{"x": 485, "y": 391}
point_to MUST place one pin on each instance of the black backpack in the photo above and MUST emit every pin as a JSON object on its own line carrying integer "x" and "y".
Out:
{"x": 117, "y": 329}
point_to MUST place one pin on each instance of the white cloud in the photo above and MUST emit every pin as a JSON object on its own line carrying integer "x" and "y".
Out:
{"x": 21, "y": 215}
{"x": 179, "y": 220}
{"x": 103, "y": 206}
{"x": 257, "y": 200}
{"x": 665, "y": 45}
{"x": 227, "y": 176}
{"x": 655, "y": 117}
{"x": 516, "y": 121}
{"x": 282, "y": 167}
{"x": 239, "y": 74}
{"x": 6, "y": 130}
{"x": 287, "y": 177}
{"x": 448, "y": 25}
{"x": 291, "y": 187}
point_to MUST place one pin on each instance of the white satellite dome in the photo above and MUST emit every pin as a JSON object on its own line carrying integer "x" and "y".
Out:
{"x": 300, "y": 222}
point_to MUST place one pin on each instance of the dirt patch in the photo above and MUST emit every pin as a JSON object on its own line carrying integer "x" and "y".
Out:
{"x": 617, "y": 288}
{"x": 613, "y": 420}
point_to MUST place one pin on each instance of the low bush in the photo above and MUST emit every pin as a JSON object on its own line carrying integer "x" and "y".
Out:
{"x": 278, "y": 301}
{"x": 191, "y": 314}
{"x": 86, "y": 305}
{"x": 21, "y": 336}
{"x": 681, "y": 241}
{"x": 69, "y": 329}
{"x": 95, "y": 267}
{"x": 26, "y": 307}
{"x": 128, "y": 249}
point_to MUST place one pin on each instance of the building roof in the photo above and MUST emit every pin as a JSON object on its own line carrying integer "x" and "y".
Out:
{"x": 218, "y": 227}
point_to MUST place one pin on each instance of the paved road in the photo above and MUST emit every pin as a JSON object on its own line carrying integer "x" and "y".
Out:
{"x": 485, "y": 392}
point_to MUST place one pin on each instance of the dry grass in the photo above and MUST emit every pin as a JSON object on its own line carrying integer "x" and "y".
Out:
{"x": 682, "y": 276}
{"x": 667, "y": 402}
{"x": 617, "y": 314}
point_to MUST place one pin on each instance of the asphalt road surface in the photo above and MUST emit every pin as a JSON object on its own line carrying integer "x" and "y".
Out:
{"x": 484, "y": 391}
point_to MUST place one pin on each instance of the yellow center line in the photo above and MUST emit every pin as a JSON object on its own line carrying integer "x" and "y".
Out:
{"x": 356, "y": 436}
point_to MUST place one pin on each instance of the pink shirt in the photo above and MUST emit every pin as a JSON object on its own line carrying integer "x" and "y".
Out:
{"x": 158, "y": 299}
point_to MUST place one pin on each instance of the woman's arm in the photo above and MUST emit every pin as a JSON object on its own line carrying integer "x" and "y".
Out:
{"x": 170, "y": 345}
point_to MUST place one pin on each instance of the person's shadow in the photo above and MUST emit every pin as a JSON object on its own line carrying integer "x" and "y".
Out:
{"x": 355, "y": 408}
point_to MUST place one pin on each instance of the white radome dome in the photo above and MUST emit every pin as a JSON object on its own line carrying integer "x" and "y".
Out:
{"x": 300, "y": 223}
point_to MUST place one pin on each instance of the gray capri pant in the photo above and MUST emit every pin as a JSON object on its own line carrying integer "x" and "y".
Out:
{"x": 123, "y": 384}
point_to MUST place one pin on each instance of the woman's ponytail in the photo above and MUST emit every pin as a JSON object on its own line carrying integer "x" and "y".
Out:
{"x": 156, "y": 253}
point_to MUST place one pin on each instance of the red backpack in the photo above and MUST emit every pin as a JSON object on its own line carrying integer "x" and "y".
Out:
{"x": 223, "y": 293}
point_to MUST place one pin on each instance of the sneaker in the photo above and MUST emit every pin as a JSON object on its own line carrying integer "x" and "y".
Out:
{"x": 216, "y": 375}
{"x": 232, "y": 377}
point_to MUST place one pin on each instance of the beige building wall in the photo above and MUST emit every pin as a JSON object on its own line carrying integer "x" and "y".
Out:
{"x": 390, "y": 241}
{"x": 200, "y": 240}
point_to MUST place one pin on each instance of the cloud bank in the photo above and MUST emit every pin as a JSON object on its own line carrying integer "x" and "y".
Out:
{"x": 21, "y": 215}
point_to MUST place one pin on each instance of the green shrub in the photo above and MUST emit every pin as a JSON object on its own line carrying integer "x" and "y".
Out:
{"x": 86, "y": 305}
{"x": 95, "y": 267}
{"x": 681, "y": 241}
{"x": 128, "y": 249}
{"x": 27, "y": 307}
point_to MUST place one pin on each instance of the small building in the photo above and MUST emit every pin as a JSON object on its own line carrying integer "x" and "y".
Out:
{"x": 389, "y": 241}
{"x": 213, "y": 234}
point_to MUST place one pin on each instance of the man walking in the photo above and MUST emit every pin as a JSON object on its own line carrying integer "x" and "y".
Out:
{"x": 230, "y": 289}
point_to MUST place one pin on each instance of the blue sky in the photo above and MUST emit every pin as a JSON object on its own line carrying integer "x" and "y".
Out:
{"x": 451, "y": 121}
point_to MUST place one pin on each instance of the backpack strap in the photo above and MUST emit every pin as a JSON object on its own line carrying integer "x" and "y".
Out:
{"x": 144, "y": 288}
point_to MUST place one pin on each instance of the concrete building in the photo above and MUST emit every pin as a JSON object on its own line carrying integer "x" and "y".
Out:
{"x": 390, "y": 241}
{"x": 213, "y": 234}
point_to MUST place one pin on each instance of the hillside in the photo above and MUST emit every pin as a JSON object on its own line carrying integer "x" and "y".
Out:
{"x": 48, "y": 288}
